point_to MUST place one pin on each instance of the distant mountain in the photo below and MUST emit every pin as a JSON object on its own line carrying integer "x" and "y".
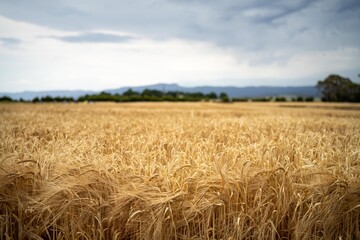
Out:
{"x": 251, "y": 92}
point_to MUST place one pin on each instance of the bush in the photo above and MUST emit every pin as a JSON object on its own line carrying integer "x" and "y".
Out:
{"x": 309, "y": 99}
{"x": 5, "y": 99}
{"x": 280, "y": 99}
{"x": 36, "y": 100}
{"x": 300, "y": 99}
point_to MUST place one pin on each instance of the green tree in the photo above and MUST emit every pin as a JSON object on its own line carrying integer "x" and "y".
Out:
{"x": 152, "y": 93}
{"x": 300, "y": 99}
{"x": 5, "y": 99}
{"x": 47, "y": 99}
{"x": 224, "y": 97}
{"x": 130, "y": 93}
{"x": 336, "y": 88}
{"x": 309, "y": 99}
{"x": 280, "y": 99}
{"x": 212, "y": 95}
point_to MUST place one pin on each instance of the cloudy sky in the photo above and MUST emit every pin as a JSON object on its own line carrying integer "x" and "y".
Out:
{"x": 95, "y": 45}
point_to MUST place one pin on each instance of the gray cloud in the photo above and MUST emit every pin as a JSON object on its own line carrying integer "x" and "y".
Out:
{"x": 9, "y": 42}
{"x": 260, "y": 25}
{"x": 349, "y": 5}
{"x": 274, "y": 10}
{"x": 95, "y": 38}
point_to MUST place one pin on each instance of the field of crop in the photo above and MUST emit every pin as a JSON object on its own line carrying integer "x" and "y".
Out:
{"x": 180, "y": 171}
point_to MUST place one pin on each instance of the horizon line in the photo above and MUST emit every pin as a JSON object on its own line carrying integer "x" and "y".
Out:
{"x": 152, "y": 85}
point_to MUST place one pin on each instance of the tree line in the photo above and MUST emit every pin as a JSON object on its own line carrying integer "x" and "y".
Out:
{"x": 153, "y": 96}
{"x": 334, "y": 88}
{"x": 132, "y": 96}
{"x": 157, "y": 96}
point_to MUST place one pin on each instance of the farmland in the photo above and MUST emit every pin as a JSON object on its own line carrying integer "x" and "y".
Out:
{"x": 180, "y": 171}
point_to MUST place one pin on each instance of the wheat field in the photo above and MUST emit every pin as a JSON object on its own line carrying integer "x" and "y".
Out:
{"x": 180, "y": 171}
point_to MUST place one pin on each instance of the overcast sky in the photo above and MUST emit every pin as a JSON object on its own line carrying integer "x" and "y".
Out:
{"x": 95, "y": 45}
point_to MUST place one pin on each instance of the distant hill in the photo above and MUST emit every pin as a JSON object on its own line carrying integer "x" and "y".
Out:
{"x": 250, "y": 92}
{"x": 238, "y": 92}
